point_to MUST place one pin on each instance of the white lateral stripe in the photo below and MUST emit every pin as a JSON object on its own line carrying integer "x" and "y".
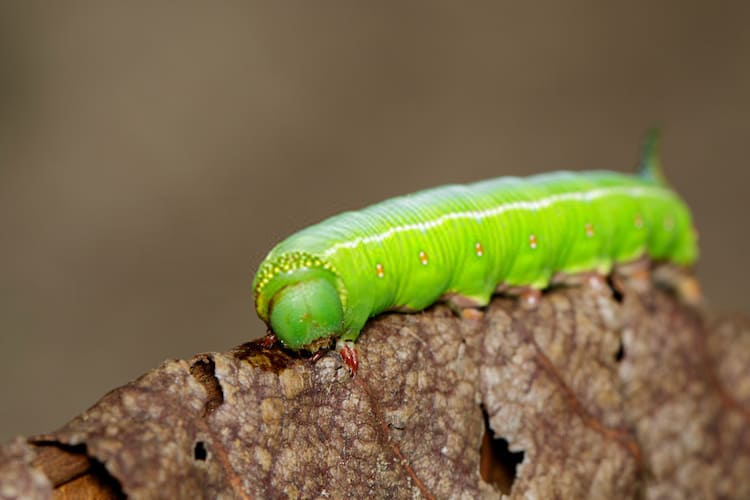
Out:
{"x": 638, "y": 191}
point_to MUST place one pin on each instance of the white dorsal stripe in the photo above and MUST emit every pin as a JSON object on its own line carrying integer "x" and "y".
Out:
{"x": 633, "y": 191}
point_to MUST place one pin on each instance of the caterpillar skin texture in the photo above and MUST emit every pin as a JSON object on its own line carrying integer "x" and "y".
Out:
{"x": 464, "y": 242}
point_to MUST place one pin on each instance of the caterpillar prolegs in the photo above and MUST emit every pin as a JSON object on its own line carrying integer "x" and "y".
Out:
{"x": 465, "y": 242}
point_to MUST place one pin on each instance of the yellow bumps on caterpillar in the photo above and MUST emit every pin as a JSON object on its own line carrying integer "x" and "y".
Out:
{"x": 286, "y": 263}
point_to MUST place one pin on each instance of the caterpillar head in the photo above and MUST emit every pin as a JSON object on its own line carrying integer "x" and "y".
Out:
{"x": 306, "y": 311}
{"x": 298, "y": 296}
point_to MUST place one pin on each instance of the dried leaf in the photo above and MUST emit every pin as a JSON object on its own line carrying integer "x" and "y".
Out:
{"x": 18, "y": 478}
{"x": 594, "y": 396}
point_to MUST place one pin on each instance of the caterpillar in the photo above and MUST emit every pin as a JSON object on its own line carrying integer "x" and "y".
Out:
{"x": 463, "y": 243}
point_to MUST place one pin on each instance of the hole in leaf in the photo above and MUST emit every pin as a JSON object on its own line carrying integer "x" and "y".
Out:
{"x": 620, "y": 352}
{"x": 106, "y": 482}
{"x": 199, "y": 452}
{"x": 202, "y": 370}
{"x": 70, "y": 468}
{"x": 497, "y": 464}
{"x": 615, "y": 289}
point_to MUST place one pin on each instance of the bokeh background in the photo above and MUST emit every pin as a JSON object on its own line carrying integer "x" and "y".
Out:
{"x": 152, "y": 152}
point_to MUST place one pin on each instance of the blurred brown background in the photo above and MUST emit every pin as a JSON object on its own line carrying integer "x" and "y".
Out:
{"x": 151, "y": 154}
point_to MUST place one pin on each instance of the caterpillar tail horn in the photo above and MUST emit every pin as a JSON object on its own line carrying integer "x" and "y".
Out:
{"x": 650, "y": 165}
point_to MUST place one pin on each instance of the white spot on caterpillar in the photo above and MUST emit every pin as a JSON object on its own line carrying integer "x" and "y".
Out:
{"x": 532, "y": 241}
{"x": 589, "y": 230}
{"x": 379, "y": 270}
{"x": 478, "y": 249}
{"x": 423, "y": 257}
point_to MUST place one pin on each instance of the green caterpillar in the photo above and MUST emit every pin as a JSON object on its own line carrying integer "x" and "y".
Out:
{"x": 464, "y": 242}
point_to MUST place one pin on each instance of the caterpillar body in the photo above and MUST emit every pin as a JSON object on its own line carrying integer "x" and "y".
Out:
{"x": 466, "y": 242}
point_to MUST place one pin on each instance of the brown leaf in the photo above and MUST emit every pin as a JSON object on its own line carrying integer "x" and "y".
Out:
{"x": 595, "y": 397}
{"x": 18, "y": 478}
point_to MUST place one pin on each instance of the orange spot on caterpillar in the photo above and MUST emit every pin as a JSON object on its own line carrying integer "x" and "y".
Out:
{"x": 638, "y": 221}
{"x": 668, "y": 223}
{"x": 423, "y": 257}
{"x": 379, "y": 270}
{"x": 532, "y": 241}
{"x": 589, "y": 230}
{"x": 478, "y": 249}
